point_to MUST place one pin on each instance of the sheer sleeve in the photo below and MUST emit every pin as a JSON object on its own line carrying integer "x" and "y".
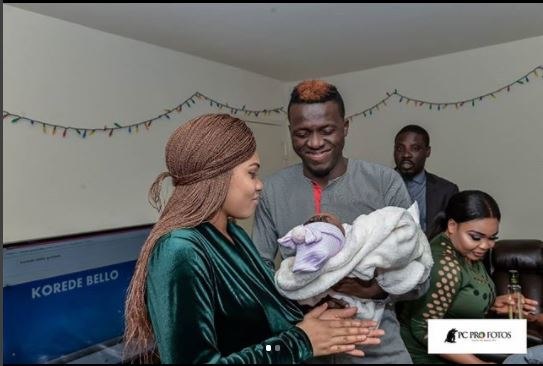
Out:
{"x": 445, "y": 281}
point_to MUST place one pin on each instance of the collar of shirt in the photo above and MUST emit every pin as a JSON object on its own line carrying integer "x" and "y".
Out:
{"x": 418, "y": 179}
{"x": 331, "y": 181}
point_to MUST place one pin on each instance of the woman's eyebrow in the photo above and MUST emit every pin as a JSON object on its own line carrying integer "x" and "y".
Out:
{"x": 483, "y": 235}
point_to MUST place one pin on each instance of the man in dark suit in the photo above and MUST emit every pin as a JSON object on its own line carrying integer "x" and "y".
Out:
{"x": 432, "y": 193}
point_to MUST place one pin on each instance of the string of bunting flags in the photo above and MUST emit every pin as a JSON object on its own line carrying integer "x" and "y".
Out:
{"x": 442, "y": 105}
{"x": 190, "y": 101}
{"x": 135, "y": 127}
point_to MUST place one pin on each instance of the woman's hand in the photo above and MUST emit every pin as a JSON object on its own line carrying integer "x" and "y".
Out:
{"x": 502, "y": 302}
{"x": 334, "y": 331}
{"x": 373, "y": 337}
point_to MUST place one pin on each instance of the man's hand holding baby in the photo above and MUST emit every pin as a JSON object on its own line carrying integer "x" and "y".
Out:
{"x": 360, "y": 288}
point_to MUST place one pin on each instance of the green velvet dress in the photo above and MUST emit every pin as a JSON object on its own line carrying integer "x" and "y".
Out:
{"x": 459, "y": 289}
{"x": 214, "y": 301}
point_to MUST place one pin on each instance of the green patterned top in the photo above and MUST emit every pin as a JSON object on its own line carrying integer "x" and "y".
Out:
{"x": 459, "y": 289}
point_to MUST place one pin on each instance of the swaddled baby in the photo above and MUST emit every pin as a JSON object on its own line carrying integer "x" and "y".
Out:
{"x": 317, "y": 240}
{"x": 387, "y": 245}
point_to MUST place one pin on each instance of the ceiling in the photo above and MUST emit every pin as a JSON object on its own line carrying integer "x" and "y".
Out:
{"x": 297, "y": 41}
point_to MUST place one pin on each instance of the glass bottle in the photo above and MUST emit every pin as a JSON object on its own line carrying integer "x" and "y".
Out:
{"x": 515, "y": 292}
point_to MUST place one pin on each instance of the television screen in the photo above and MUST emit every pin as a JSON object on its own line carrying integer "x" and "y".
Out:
{"x": 64, "y": 297}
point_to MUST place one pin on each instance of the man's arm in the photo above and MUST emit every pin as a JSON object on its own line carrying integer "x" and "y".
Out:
{"x": 415, "y": 293}
{"x": 264, "y": 234}
{"x": 399, "y": 195}
{"x": 394, "y": 190}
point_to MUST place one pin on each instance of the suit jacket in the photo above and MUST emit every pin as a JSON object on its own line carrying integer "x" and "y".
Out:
{"x": 438, "y": 193}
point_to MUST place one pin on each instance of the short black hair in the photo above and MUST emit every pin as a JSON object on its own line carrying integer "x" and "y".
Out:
{"x": 415, "y": 129}
{"x": 316, "y": 91}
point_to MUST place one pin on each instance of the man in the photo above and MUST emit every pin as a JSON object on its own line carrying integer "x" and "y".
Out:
{"x": 326, "y": 181}
{"x": 432, "y": 193}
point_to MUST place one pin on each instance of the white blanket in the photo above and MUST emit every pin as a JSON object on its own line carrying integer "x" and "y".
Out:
{"x": 389, "y": 239}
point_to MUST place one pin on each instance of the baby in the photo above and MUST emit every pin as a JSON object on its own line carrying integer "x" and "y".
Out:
{"x": 388, "y": 245}
{"x": 317, "y": 240}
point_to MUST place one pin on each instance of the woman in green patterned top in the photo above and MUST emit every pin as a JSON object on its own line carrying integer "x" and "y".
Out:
{"x": 460, "y": 287}
{"x": 201, "y": 293}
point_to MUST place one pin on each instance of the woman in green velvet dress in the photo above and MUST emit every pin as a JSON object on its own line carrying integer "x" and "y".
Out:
{"x": 200, "y": 291}
{"x": 460, "y": 287}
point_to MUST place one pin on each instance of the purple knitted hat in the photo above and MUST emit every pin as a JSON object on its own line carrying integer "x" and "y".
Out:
{"x": 314, "y": 243}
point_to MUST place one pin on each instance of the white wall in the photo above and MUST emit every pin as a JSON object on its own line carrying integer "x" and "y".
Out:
{"x": 495, "y": 147}
{"x": 63, "y": 73}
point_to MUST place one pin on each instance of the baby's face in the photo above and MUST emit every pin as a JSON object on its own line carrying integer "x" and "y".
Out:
{"x": 326, "y": 217}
